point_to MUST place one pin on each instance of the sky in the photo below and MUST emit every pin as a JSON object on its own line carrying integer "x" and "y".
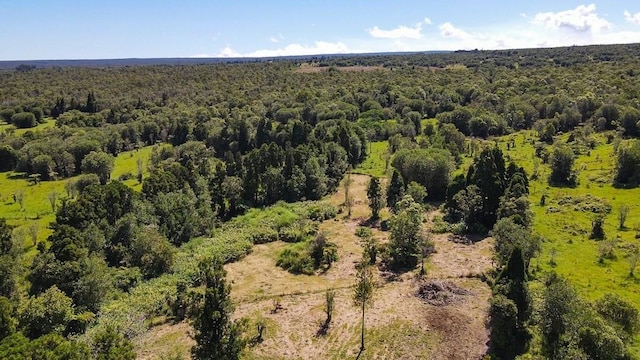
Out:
{"x": 92, "y": 29}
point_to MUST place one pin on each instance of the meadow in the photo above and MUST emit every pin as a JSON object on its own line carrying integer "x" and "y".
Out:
{"x": 30, "y": 207}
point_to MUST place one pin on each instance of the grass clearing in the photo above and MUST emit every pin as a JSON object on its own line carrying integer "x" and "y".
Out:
{"x": 566, "y": 227}
{"x": 375, "y": 164}
{"x": 36, "y": 212}
{"x": 47, "y": 124}
{"x": 399, "y": 325}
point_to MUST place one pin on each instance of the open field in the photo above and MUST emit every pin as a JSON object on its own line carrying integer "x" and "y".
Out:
{"x": 36, "y": 212}
{"x": 398, "y": 324}
{"x": 48, "y": 123}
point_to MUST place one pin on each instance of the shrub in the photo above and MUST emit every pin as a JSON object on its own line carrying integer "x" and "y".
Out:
{"x": 263, "y": 235}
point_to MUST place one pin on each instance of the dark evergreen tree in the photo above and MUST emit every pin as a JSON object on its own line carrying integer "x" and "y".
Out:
{"x": 374, "y": 194}
{"x": 488, "y": 174}
{"x": 395, "y": 191}
{"x": 91, "y": 106}
{"x": 216, "y": 335}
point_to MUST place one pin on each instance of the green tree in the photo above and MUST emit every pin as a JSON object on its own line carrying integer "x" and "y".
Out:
{"x": 109, "y": 344}
{"x": 562, "y": 161}
{"x": 406, "y": 233}
{"x": 488, "y": 173}
{"x": 7, "y": 320}
{"x": 417, "y": 192}
{"x": 374, "y": 194}
{"x": 216, "y": 335}
{"x": 99, "y": 163}
{"x": 49, "y": 312}
{"x": 619, "y": 312}
{"x": 395, "y": 190}
{"x": 24, "y": 120}
{"x": 628, "y": 164}
{"x": 509, "y": 235}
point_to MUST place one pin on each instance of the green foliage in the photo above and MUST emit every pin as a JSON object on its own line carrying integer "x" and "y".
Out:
{"x": 508, "y": 337}
{"x": 7, "y": 320}
{"x": 597, "y": 228}
{"x": 430, "y": 168}
{"x": 374, "y": 194}
{"x": 308, "y": 256}
{"x": 395, "y": 190}
{"x": 51, "y": 346}
{"x": 509, "y": 235}
{"x": 98, "y": 163}
{"x": 562, "y": 173}
{"x": 109, "y": 344}
{"x": 49, "y": 312}
{"x": 24, "y": 120}
{"x": 619, "y": 312}
{"x": 417, "y": 192}
{"x": 406, "y": 233}
{"x": 627, "y": 172}
{"x": 216, "y": 335}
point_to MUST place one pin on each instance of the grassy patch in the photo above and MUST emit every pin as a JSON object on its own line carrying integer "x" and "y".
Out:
{"x": 565, "y": 219}
{"x": 397, "y": 340}
{"x": 48, "y": 123}
{"x": 375, "y": 163}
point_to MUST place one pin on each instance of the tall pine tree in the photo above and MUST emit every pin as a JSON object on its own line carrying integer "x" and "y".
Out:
{"x": 374, "y": 194}
{"x": 395, "y": 191}
{"x": 217, "y": 336}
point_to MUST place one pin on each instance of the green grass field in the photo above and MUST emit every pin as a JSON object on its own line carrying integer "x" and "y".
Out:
{"x": 36, "y": 212}
{"x": 566, "y": 229}
{"x": 48, "y": 123}
{"x": 375, "y": 163}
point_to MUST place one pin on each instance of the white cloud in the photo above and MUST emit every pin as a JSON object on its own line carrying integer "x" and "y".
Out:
{"x": 447, "y": 30}
{"x": 583, "y": 18}
{"x": 427, "y": 21}
{"x": 401, "y": 32}
{"x": 632, "y": 18}
{"x": 276, "y": 39}
{"x": 228, "y": 52}
{"x": 319, "y": 47}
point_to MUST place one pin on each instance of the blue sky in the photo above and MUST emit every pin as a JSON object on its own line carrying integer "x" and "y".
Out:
{"x": 90, "y": 29}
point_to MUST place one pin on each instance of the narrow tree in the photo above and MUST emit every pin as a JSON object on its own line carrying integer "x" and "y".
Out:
{"x": 348, "y": 199}
{"x": 363, "y": 292}
{"x": 329, "y": 306}
{"x": 18, "y": 197}
{"x": 395, "y": 191}
{"x": 53, "y": 198}
{"x": 633, "y": 256}
{"x": 216, "y": 335}
{"x": 374, "y": 194}
{"x": 623, "y": 212}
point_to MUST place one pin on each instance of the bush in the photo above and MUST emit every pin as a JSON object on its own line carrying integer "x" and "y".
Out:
{"x": 24, "y": 120}
{"x": 296, "y": 260}
{"x": 622, "y": 313}
{"x": 597, "y": 228}
{"x": 321, "y": 211}
{"x": 263, "y": 235}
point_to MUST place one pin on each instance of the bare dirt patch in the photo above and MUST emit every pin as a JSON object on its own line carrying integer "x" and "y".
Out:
{"x": 441, "y": 293}
{"x": 454, "y": 260}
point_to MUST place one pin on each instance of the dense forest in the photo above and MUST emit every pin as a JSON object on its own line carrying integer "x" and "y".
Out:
{"x": 243, "y": 154}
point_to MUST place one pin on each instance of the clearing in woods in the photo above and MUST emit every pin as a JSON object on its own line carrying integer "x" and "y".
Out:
{"x": 399, "y": 324}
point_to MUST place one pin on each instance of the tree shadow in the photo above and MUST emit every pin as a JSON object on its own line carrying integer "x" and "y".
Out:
{"x": 359, "y": 353}
{"x": 324, "y": 328}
